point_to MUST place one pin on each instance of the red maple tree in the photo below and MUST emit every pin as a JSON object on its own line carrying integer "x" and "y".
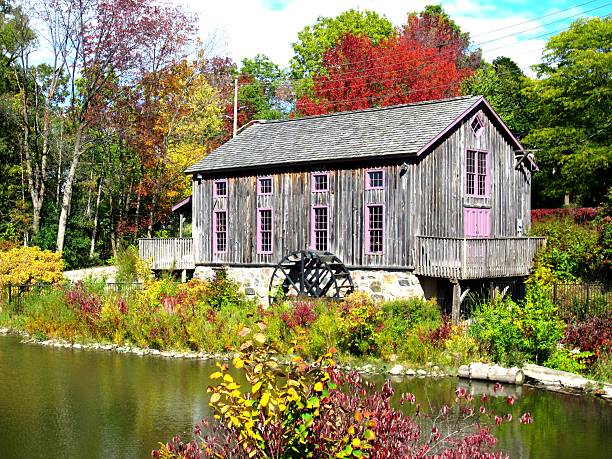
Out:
{"x": 427, "y": 59}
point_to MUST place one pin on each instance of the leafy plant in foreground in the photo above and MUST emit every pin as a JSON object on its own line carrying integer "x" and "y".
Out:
{"x": 314, "y": 410}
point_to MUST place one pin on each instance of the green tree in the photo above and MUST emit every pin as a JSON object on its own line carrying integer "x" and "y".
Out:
{"x": 574, "y": 108}
{"x": 265, "y": 82}
{"x": 504, "y": 85}
{"x": 315, "y": 39}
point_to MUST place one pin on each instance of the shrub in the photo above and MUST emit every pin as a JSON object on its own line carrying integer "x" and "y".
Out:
{"x": 572, "y": 250}
{"x": 512, "y": 332}
{"x": 593, "y": 335}
{"x": 30, "y": 265}
{"x": 301, "y": 315}
{"x": 360, "y": 320}
{"x": 566, "y": 360}
{"x": 316, "y": 411}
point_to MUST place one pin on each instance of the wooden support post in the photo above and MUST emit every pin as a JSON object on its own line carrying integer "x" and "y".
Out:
{"x": 456, "y": 309}
{"x": 181, "y": 224}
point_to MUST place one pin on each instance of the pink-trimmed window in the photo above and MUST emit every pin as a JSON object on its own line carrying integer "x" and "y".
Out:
{"x": 319, "y": 182}
{"x": 319, "y": 228}
{"x": 375, "y": 227}
{"x": 374, "y": 179}
{"x": 220, "y": 188}
{"x": 477, "y": 126}
{"x": 264, "y": 186}
{"x": 477, "y": 173}
{"x": 264, "y": 231}
{"x": 220, "y": 231}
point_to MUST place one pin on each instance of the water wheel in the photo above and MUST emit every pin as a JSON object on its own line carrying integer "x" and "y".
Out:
{"x": 310, "y": 273}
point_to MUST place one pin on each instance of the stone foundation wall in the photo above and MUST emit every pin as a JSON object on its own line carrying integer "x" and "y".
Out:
{"x": 387, "y": 285}
{"x": 381, "y": 285}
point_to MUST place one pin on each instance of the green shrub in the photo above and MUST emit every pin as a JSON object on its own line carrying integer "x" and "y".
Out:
{"x": 566, "y": 360}
{"x": 572, "y": 250}
{"x": 360, "y": 319}
{"x": 512, "y": 332}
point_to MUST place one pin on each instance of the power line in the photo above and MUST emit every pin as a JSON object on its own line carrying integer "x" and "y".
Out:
{"x": 536, "y": 19}
{"x": 402, "y": 69}
{"x": 476, "y": 45}
{"x": 545, "y": 25}
{"x": 449, "y": 52}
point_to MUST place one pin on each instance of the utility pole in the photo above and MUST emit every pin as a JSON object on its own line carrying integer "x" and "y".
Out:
{"x": 235, "y": 106}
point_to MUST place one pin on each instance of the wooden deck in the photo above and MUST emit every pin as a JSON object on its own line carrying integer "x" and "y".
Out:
{"x": 167, "y": 253}
{"x": 459, "y": 258}
{"x": 451, "y": 258}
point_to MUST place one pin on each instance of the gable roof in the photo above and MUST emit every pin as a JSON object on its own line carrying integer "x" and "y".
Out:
{"x": 379, "y": 132}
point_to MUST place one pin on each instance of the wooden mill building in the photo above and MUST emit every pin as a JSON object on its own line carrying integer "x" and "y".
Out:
{"x": 412, "y": 199}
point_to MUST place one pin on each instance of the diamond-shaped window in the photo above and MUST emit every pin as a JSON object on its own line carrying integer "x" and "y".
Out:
{"x": 477, "y": 126}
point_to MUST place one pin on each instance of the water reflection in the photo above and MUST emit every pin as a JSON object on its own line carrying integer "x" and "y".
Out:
{"x": 58, "y": 403}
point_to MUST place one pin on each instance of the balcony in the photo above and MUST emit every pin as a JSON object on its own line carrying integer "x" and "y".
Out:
{"x": 174, "y": 253}
{"x": 460, "y": 258}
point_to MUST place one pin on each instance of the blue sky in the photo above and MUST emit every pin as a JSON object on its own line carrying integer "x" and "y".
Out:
{"x": 242, "y": 28}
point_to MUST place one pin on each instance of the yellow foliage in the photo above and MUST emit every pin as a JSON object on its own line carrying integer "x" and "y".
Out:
{"x": 30, "y": 265}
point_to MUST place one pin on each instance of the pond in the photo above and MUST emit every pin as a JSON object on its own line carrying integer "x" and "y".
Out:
{"x": 62, "y": 403}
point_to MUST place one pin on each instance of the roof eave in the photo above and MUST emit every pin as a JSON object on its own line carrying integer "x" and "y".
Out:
{"x": 456, "y": 121}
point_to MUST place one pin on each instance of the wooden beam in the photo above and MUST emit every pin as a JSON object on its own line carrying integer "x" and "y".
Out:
{"x": 456, "y": 309}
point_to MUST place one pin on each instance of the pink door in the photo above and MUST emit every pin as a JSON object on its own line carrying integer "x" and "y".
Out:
{"x": 477, "y": 222}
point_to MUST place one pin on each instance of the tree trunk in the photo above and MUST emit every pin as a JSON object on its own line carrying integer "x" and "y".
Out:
{"x": 92, "y": 247}
{"x": 67, "y": 196}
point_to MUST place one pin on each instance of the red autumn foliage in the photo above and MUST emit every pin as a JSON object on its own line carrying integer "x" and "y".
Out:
{"x": 427, "y": 60}
{"x": 302, "y": 315}
{"x": 355, "y": 406}
{"x": 593, "y": 335}
{"x": 440, "y": 334}
{"x": 580, "y": 214}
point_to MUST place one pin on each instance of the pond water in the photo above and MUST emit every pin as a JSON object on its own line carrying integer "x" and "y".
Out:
{"x": 62, "y": 403}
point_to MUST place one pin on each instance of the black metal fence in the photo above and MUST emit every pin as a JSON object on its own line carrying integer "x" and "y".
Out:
{"x": 14, "y": 295}
{"x": 577, "y": 302}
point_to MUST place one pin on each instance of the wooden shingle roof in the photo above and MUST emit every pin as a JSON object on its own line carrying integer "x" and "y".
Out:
{"x": 379, "y": 132}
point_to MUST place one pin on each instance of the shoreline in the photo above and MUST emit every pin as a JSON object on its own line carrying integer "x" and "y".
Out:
{"x": 535, "y": 376}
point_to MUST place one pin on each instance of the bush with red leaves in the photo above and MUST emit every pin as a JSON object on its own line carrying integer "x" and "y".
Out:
{"x": 460, "y": 431}
{"x": 593, "y": 335}
{"x": 302, "y": 315}
{"x": 580, "y": 214}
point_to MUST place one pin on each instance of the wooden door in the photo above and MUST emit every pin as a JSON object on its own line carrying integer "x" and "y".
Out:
{"x": 477, "y": 222}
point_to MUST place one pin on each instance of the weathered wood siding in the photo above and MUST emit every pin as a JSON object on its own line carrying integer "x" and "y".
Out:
{"x": 440, "y": 184}
{"x": 291, "y": 203}
{"x": 426, "y": 199}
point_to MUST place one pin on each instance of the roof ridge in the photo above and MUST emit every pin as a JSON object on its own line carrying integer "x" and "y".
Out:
{"x": 367, "y": 110}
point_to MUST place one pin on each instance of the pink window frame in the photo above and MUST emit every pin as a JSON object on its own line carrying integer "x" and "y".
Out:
{"x": 367, "y": 229}
{"x": 259, "y": 192}
{"x": 214, "y": 231}
{"x": 366, "y": 178}
{"x": 480, "y": 119}
{"x": 313, "y": 234}
{"x": 487, "y": 193}
{"x": 215, "y": 188}
{"x": 259, "y": 234}
{"x": 313, "y": 182}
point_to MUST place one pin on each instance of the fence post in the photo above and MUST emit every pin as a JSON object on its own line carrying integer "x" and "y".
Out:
{"x": 555, "y": 293}
{"x": 588, "y": 298}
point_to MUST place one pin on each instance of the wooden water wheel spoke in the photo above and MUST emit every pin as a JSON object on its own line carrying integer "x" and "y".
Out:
{"x": 310, "y": 273}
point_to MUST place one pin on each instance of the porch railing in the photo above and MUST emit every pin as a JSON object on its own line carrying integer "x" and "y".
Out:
{"x": 167, "y": 253}
{"x": 463, "y": 258}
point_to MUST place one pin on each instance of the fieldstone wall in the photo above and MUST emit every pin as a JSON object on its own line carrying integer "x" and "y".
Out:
{"x": 387, "y": 285}
{"x": 379, "y": 284}
{"x": 253, "y": 282}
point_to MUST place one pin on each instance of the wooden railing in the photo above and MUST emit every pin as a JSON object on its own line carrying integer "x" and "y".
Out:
{"x": 174, "y": 253}
{"x": 462, "y": 258}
